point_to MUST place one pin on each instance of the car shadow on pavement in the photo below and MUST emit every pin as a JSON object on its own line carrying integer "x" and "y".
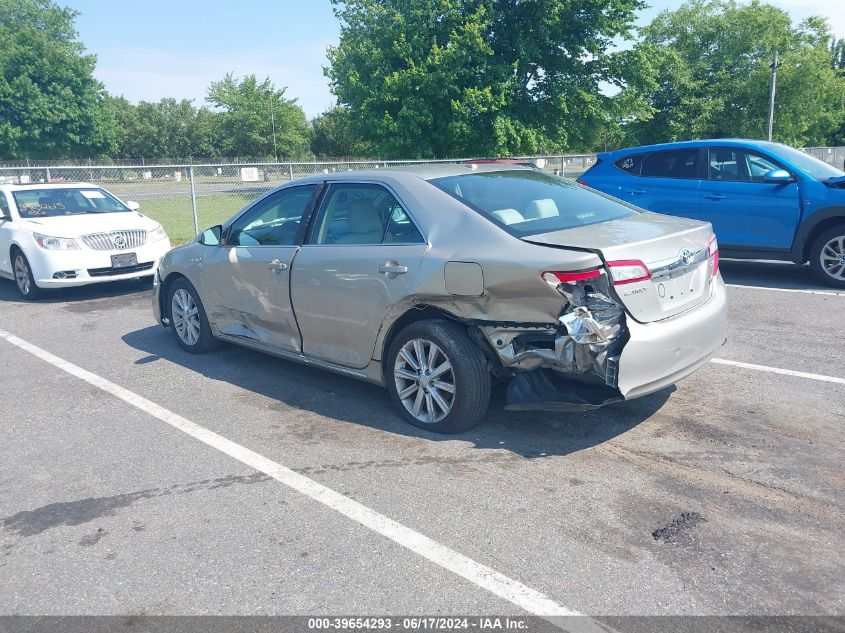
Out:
{"x": 290, "y": 385}
{"x": 105, "y": 290}
{"x": 767, "y": 274}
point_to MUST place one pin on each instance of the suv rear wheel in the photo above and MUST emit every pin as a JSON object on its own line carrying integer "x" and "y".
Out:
{"x": 827, "y": 257}
{"x": 437, "y": 377}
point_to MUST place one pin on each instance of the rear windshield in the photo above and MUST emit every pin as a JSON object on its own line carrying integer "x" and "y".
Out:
{"x": 531, "y": 202}
{"x": 45, "y": 203}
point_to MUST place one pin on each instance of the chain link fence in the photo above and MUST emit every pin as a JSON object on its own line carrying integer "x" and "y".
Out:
{"x": 186, "y": 199}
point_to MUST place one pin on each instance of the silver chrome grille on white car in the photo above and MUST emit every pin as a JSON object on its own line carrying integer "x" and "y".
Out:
{"x": 115, "y": 240}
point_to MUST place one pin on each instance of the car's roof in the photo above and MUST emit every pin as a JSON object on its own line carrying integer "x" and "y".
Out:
{"x": 424, "y": 172}
{"x": 52, "y": 185}
{"x": 725, "y": 142}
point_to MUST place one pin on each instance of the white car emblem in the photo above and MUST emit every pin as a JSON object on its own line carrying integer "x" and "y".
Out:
{"x": 119, "y": 241}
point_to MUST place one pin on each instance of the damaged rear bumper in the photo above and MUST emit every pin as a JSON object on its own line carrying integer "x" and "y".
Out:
{"x": 593, "y": 357}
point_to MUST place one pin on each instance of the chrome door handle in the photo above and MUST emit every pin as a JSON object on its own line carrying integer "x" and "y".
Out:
{"x": 277, "y": 266}
{"x": 391, "y": 269}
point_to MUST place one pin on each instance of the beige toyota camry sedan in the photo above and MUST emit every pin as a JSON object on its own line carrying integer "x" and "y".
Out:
{"x": 438, "y": 282}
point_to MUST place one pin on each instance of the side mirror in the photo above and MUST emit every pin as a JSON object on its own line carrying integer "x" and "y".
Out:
{"x": 212, "y": 236}
{"x": 132, "y": 205}
{"x": 778, "y": 177}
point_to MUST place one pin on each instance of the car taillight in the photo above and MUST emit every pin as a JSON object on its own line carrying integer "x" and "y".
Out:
{"x": 554, "y": 278}
{"x": 713, "y": 251}
{"x": 627, "y": 271}
{"x": 582, "y": 182}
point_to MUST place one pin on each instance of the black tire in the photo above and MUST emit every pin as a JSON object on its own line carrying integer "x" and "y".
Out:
{"x": 204, "y": 341}
{"x": 468, "y": 372}
{"x": 816, "y": 254}
{"x": 27, "y": 288}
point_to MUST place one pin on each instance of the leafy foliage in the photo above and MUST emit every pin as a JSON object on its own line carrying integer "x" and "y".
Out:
{"x": 333, "y": 134}
{"x": 257, "y": 119}
{"x": 479, "y": 77}
{"x": 712, "y": 58}
{"x": 50, "y": 102}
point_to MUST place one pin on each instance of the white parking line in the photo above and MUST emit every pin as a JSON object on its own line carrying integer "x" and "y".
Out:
{"x": 829, "y": 293}
{"x": 778, "y": 370}
{"x": 484, "y": 577}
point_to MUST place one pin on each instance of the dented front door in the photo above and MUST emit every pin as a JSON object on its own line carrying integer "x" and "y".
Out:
{"x": 248, "y": 278}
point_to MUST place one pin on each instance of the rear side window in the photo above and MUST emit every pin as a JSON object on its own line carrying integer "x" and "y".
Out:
{"x": 529, "y": 202}
{"x": 4, "y": 205}
{"x": 630, "y": 164}
{"x": 671, "y": 164}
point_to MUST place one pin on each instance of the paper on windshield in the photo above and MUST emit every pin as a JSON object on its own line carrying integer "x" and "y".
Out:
{"x": 91, "y": 195}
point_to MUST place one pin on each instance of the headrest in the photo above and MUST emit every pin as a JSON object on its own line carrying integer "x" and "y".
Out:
{"x": 508, "y": 216}
{"x": 363, "y": 217}
{"x": 544, "y": 208}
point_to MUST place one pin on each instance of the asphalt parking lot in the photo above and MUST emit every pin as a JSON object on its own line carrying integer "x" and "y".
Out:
{"x": 723, "y": 495}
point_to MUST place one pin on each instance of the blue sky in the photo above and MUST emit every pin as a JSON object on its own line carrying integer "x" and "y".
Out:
{"x": 156, "y": 48}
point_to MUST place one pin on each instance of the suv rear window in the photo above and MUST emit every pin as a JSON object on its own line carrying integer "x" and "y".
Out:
{"x": 681, "y": 163}
{"x": 630, "y": 164}
{"x": 529, "y": 202}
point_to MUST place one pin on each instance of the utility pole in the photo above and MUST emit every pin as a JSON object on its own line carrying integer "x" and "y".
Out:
{"x": 774, "y": 66}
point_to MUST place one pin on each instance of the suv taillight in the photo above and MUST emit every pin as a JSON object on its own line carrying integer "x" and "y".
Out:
{"x": 627, "y": 271}
{"x": 713, "y": 251}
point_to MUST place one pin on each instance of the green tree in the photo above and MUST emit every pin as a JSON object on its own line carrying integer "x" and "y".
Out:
{"x": 428, "y": 78}
{"x": 333, "y": 134}
{"x": 52, "y": 107}
{"x": 712, "y": 58}
{"x": 256, "y": 120}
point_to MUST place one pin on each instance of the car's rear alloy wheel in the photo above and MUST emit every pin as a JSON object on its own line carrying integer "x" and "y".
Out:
{"x": 437, "y": 376}
{"x": 188, "y": 319}
{"x": 424, "y": 380}
{"x": 24, "y": 278}
{"x": 827, "y": 257}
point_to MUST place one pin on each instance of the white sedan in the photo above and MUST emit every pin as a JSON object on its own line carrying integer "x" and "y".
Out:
{"x": 58, "y": 235}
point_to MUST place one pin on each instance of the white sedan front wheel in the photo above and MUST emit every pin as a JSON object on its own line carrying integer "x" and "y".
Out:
{"x": 23, "y": 277}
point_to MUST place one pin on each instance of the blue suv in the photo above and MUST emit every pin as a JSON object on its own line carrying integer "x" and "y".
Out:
{"x": 764, "y": 200}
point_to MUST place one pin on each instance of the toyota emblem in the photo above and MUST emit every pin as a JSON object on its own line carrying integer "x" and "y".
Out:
{"x": 686, "y": 256}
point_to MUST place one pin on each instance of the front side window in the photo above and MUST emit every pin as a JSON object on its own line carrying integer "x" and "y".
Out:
{"x": 4, "y": 206}
{"x": 736, "y": 165}
{"x": 682, "y": 163}
{"x": 43, "y": 203}
{"x": 528, "y": 202}
{"x": 816, "y": 168}
{"x": 364, "y": 214}
{"x": 273, "y": 221}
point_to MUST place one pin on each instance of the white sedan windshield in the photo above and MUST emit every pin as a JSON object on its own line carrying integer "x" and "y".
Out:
{"x": 40, "y": 203}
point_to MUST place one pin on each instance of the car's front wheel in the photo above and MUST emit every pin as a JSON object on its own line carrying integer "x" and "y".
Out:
{"x": 23, "y": 276}
{"x": 188, "y": 319}
{"x": 437, "y": 377}
{"x": 827, "y": 257}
